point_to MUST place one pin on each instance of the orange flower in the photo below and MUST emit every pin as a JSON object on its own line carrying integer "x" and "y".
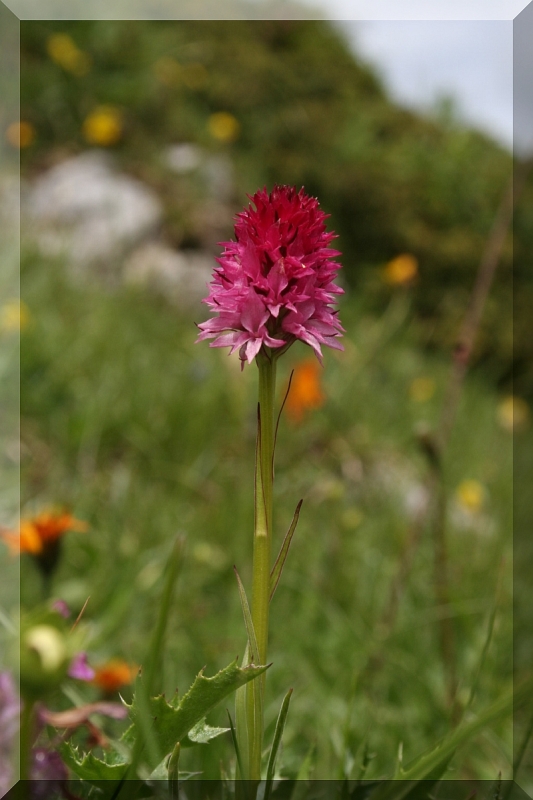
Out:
{"x": 401, "y": 270}
{"x": 114, "y": 674}
{"x": 20, "y": 134}
{"x": 305, "y": 392}
{"x": 40, "y": 533}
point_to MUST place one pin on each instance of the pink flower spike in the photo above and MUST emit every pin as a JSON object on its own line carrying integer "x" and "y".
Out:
{"x": 275, "y": 283}
{"x": 80, "y": 669}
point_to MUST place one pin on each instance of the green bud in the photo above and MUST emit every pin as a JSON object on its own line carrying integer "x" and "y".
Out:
{"x": 44, "y": 659}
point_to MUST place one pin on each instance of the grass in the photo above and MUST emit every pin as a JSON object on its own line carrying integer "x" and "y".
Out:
{"x": 146, "y": 435}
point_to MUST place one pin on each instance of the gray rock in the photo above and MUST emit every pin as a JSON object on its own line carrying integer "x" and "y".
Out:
{"x": 84, "y": 209}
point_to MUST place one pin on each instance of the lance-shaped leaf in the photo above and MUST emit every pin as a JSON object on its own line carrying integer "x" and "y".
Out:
{"x": 248, "y": 704}
{"x": 241, "y": 722}
{"x": 171, "y": 722}
{"x": 252, "y": 639}
{"x": 280, "y": 560}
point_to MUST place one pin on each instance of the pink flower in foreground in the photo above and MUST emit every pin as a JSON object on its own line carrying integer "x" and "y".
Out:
{"x": 275, "y": 283}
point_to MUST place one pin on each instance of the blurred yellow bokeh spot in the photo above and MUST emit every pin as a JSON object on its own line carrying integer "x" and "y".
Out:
{"x": 401, "y": 270}
{"x": 20, "y": 134}
{"x": 514, "y": 414}
{"x": 65, "y": 53}
{"x": 14, "y": 316}
{"x": 471, "y": 495}
{"x": 103, "y": 126}
{"x": 224, "y": 126}
{"x": 422, "y": 389}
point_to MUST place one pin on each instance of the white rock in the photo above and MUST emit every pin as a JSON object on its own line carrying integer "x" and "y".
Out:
{"x": 89, "y": 212}
{"x": 182, "y": 276}
{"x": 183, "y": 157}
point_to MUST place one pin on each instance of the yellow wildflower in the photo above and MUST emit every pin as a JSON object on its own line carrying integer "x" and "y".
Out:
{"x": 65, "y": 53}
{"x": 20, "y": 134}
{"x": 513, "y": 414}
{"x": 401, "y": 270}
{"x": 471, "y": 495}
{"x": 305, "y": 392}
{"x": 224, "y": 127}
{"x": 422, "y": 389}
{"x": 14, "y": 316}
{"x": 103, "y": 126}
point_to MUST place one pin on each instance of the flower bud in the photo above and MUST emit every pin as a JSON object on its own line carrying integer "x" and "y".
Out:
{"x": 44, "y": 659}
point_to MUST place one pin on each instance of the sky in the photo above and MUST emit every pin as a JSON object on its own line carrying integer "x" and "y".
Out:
{"x": 422, "y": 61}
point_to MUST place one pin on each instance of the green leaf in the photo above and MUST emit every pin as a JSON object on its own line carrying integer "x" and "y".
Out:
{"x": 278, "y": 733}
{"x": 89, "y": 768}
{"x": 171, "y": 722}
{"x": 277, "y": 569}
{"x": 202, "y": 734}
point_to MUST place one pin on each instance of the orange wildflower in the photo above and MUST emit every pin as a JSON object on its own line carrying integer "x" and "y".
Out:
{"x": 114, "y": 674}
{"x": 38, "y": 534}
{"x": 20, "y": 134}
{"x": 306, "y": 392}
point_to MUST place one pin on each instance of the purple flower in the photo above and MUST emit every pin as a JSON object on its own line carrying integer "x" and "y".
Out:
{"x": 62, "y": 608}
{"x": 48, "y": 774}
{"x": 9, "y": 724}
{"x": 275, "y": 283}
{"x": 80, "y": 669}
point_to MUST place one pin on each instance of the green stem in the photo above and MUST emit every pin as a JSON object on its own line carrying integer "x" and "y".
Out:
{"x": 26, "y": 738}
{"x": 262, "y": 542}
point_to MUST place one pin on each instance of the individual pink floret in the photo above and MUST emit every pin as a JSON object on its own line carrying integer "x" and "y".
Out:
{"x": 276, "y": 283}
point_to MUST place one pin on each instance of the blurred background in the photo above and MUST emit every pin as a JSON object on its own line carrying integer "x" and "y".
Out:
{"x": 139, "y": 142}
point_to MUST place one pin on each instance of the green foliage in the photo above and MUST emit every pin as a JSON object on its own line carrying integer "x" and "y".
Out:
{"x": 173, "y": 722}
{"x": 158, "y": 726}
{"x": 144, "y": 434}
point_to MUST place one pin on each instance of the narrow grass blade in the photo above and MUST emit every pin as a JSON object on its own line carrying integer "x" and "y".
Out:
{"x": 279, "y": 417}
{"x": 173, "y": 764}
{"x": 278, "y": 733}
{"x": 240, "y": 768}
{"x": 277, "y": 569}
{"x": 248, "y": 620}
{"x": 430, "y": 762}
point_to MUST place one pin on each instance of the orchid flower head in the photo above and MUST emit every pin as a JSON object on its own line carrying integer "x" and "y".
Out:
{"x": 275, "y": 283}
